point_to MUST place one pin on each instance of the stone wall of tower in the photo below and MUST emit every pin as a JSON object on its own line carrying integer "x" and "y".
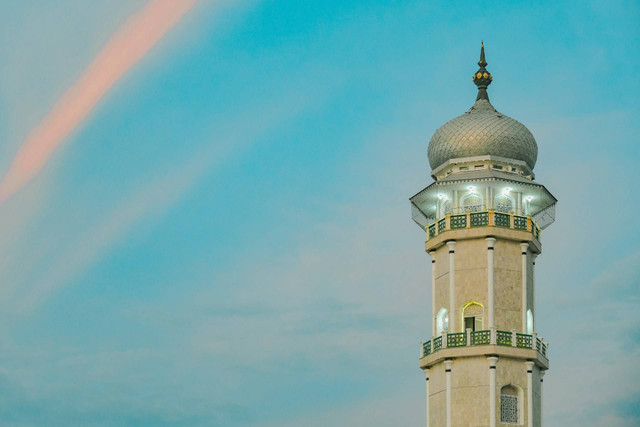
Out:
{"x": 470, "y": 391}
{"x": 471, "y": 281}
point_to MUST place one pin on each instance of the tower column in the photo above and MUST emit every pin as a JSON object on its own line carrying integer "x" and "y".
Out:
{"x": 433, "y": 293}
{"x": 447, "y": 366}
{"x": 541, "y": 394}
{"x": 452, "y": 286}
{"x": 490, "y": 292}
{"x": 529, "y": 366}
{"x": 492, "y": 390}
{"x": 426, "y": 372}
{"x": 533, "y": 284}
{"x": 524, "y": 247}
{"x": 455, "y": 202}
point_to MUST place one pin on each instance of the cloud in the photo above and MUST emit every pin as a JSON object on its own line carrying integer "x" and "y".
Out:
{"x": 127, "y": 47}
{"x": 158, "y": 195}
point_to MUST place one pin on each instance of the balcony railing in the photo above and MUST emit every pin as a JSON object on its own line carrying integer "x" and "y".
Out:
{"x": 488, "y": 337}
{"x": 483, "y": 219}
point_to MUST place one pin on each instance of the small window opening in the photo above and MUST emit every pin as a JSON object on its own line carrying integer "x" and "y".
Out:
{"x": 442, "y": 321}
{"x": 472, "y": 314}
{"x": 509, "y": 405}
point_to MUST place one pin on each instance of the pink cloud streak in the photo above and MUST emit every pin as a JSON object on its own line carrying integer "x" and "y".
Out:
{"x": 127, "y": 46}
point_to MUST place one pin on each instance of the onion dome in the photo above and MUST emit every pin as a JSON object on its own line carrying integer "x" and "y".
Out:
{"x": 482, "y": 131}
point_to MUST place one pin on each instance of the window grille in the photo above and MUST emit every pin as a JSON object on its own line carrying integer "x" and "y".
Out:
{"x": 508, "y": 409}
{"x": 442, "y": 224}
{"x": 504, "y": 203}
{"x": 472, "y": 203}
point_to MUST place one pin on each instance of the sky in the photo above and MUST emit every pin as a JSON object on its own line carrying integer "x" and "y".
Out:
{"x": 223, "y": 236}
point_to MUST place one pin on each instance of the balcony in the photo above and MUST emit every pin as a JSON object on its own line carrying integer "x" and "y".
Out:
{"x": 488, "y": 337}
{"x": 483, "y": 219}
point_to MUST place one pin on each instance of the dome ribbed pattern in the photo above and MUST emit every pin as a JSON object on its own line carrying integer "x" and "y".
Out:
{"x": 482, "y": 131}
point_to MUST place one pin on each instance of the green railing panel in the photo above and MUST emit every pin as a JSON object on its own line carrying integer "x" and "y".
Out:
{"x": 541, "y": 347}
{"x": 520, "y": 222}
{"x": 437, "y": 344}
{"x": 432, "y": 231}
{"x": 458, "y": 221}
{"x": 479, "y": 219}
{"x": 503, "y": 338}
{"x": 480, "y": 337}
{"x": 524, "y": 340}
{"x": 426, "y": 348}
{"x": 457, "y": 340}
{"x": 442, "y": 225}
{"x": 502, "y": 220}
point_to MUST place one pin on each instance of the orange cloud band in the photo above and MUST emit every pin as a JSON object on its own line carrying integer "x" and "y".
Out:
{"x": 127, "y": 46}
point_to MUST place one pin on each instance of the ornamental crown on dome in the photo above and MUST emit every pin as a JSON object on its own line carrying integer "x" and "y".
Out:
{"x": 482, "y": 131}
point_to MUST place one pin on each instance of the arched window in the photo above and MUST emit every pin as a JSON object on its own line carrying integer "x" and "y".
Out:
{"x": 510, "y": 405}
{"x": 529, "y": 322}
{"x": 472, "y": 202}
{"x": 504, "y": 203}
{"x": 442, "y": 321}
{"x": 472, "y": 313}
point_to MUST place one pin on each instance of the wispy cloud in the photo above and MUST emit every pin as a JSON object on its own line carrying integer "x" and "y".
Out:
{"x": 159, "y": 194}
{"x": 140, "y": 33}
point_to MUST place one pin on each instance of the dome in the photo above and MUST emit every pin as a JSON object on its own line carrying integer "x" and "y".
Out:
{"x": 482, "y": 131}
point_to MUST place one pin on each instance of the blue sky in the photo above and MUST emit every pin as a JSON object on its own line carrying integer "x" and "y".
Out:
{"x": 226, "y": 240}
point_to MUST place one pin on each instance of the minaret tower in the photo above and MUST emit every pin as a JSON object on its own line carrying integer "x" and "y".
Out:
{"x": 483, "y": 218}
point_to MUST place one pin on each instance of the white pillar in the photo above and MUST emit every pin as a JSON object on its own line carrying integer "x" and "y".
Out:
{"x": 529, "y": 366}
{"x": 490, "y": 198}
{"x": 487, "y": 198}
{"x": 490, "y": 298}
{"x": 447, "y": 369}
{"x": 541, "y": 394}
{"x": 433, "y": 293}
{"x": 426, "y": 372}
{"x": 452, "y": 286}
{"x": 518, "y": 203}
{"x": 455, "y": 202}
{"x": 524, "y": 247}
{"x": 533, "y": 289}
{"x": 492, "y": 390}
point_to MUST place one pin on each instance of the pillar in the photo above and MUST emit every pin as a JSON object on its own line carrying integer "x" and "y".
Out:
{"x": 524, "y": 247}
{"x": 492, "y": 390}
{"x": 452, "y": 286}
{"x": 490, "y": 294}
{"x": 529, "y": 366}
{"x": 518, "y": 203}
{"x": 455, "y": 203}
{"x": 434, "y": 313}
{"x": 426, "y": 372}
{"x": 541, "y": 394}
{"x": 533, "y": 293}
{"x": 447, "y": 366}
